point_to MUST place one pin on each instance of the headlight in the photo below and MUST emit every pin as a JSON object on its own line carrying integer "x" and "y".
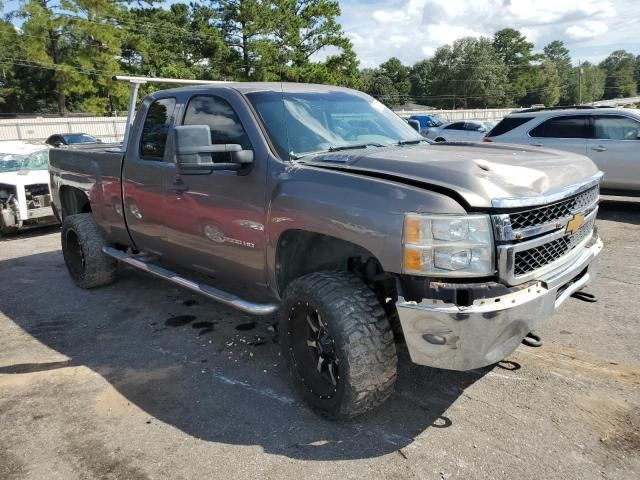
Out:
{"x": 448, "y": 245}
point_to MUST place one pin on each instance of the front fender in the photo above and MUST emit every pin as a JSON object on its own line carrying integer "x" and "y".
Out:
{"x": 363, "y": 210}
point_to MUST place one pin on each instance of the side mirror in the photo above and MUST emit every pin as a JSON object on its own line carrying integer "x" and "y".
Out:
{"x": 415, "y": 124}
{"x": 193, "y": 150}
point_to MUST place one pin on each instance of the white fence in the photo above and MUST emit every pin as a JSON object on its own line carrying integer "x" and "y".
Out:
{"x": 472, "y": 114}
{"x": 111, "y": 129}
{"x": 108, "y": 129}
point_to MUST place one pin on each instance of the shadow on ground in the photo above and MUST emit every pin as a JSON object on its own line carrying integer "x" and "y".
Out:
{"x": 620, "y": 210}
{"x": 193, "y": 379}
{"x": 30, "y": 233}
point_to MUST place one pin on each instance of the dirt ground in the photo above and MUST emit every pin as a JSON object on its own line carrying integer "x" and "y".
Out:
{"x": 143, "y": 380}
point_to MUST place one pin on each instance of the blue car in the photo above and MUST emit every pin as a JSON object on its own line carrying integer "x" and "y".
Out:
{"x": 428, "y": 123}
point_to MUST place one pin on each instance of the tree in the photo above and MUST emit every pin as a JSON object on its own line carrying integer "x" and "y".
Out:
{"x": 399, "y": 76}
{"x": 620, "y": 71}
{"x": 587, "y": 83}
{"x": 421, "y": 79}
{"x": 181, "y": 42}
{"x": 304, "y": 29}
{"x": 516, "y": 53}
{"x": 468, "y": 74}
{"x": 381, "y": 87}
{"x": 245, "y": 25}
{"x": 79, "y": 44}
{"x": 560, "y": 56}
{"x": 638, "y": 72}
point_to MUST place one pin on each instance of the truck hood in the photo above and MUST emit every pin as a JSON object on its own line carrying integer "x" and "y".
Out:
{"x": 25, "y": 177}
{"x": 474, "y": 173}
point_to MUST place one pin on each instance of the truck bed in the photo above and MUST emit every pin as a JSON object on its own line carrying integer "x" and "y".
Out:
{"x": 94, "y": 170}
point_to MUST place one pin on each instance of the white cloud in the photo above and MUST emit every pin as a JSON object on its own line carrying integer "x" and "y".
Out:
{"x": 413, "y": 29}
{"x": 588, "y": 29}
{"x": 387, "y": 17}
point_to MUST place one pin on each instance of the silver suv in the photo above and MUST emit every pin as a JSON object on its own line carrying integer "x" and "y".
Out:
{"x": 609, "y": 136}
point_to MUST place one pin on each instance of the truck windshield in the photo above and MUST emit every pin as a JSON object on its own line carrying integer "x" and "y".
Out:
{"x": 303, "y": 123}
{"x": 10, "y": 162}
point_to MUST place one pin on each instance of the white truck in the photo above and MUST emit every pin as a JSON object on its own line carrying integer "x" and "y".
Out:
{"x": 25, "y": 197}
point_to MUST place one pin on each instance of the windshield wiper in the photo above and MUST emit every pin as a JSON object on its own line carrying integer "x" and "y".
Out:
{"x": 339, "y": 148}
{"x": 412, "y": 142}
{"x": 356, "y": 146}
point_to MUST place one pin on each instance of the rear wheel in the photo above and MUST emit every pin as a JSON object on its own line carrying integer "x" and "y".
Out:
{"x": 82, "y": 246}
{"x": 338, "y": 344}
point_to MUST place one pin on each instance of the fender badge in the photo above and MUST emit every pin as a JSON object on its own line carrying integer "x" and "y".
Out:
{"x": 575, "y": 223}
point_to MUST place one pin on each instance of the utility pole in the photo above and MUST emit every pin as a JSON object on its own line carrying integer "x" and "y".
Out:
{"x": 579, "y": 82}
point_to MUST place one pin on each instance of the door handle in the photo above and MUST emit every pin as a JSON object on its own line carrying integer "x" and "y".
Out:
{"x": 179, "y": 187}
{"x": 537, "y": 144}
{"x": 599, "y": 148}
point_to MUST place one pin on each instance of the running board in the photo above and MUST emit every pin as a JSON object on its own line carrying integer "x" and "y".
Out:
{"x": 206, "y": 290}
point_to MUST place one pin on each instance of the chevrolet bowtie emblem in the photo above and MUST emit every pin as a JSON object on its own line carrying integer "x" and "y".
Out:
{"x": 575, "y": 223}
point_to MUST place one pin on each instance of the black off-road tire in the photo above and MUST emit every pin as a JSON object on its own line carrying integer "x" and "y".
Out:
{"x": 82, "y": 250}
{"x": 363, "y": 342}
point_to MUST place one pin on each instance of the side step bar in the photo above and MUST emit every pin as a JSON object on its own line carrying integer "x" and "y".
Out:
{"x": 206, "y": 290}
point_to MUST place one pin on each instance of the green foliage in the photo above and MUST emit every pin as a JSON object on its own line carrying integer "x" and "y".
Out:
{"x": 517, "y": 54}
{"x": 69, "y": 50}
{"x": 561, "y": 57}
{"x": 66, "y": 51}
{"x": 620, "y": 69}
{"x": 421, "y": 79}
{"x": 468, "y": 74}
{"x": 399, "y": 76}
{"x": 587, "y": 84}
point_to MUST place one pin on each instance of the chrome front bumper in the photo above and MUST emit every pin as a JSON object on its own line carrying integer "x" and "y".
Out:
{"x": 463, "y": 338}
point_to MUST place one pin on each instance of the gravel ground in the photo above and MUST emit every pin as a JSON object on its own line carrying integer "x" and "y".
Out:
{"x": 141, "y": 380}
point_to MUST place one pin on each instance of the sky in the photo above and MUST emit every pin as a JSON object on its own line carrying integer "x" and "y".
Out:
{"x": 412, "y": 29}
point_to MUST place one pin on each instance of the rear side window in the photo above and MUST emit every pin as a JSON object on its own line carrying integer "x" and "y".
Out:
{"x": 570, "y": 126}
{"x": 616, "y": 127}
{"x": 155, "y": 129}
{"x": 507, "y": 124}
{"x": 455, "y": 126}
{"x": 473, "y": 126}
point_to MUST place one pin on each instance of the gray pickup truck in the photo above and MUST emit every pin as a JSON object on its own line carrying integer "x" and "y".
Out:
{"x": 321, "y": 205}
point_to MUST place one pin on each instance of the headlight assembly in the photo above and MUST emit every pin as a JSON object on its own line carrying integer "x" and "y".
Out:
{"x": 448, "y": 245}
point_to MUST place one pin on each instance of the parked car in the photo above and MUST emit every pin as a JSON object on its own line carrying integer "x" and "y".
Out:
{"x": 64, "y": 139}
{"x": 25, "y": 199}
{"x": 428, "y": 123}
{"x": 609, "y": 136}
{"x": 462, "y": 131}
{"x": 321, "y": 204}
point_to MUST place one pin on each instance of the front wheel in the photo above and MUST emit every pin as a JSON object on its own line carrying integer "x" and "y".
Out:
{"x": 338, "y": 344}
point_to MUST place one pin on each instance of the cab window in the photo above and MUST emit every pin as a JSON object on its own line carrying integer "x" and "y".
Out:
{"x": 455, "y": 126}
{"x": 156, "y": 127}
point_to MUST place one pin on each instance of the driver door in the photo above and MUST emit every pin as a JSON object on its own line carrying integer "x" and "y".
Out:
{"x": 215, "y": 221}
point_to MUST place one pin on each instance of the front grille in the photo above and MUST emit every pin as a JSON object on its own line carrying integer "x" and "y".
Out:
{"x": 36, "y": 190}
{"x": 37, "y": 195}
{"x": 555, "y": 211}
{"x": 532, "y": 259}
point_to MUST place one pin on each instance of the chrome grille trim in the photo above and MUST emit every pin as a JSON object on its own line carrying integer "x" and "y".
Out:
{"x": 507, "y": 254}
{"x": 549, "y": 197}
{"x": 509, "y": 227}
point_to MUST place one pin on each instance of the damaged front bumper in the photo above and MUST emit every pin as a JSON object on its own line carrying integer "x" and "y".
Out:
{"x": 463, "y": 338}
